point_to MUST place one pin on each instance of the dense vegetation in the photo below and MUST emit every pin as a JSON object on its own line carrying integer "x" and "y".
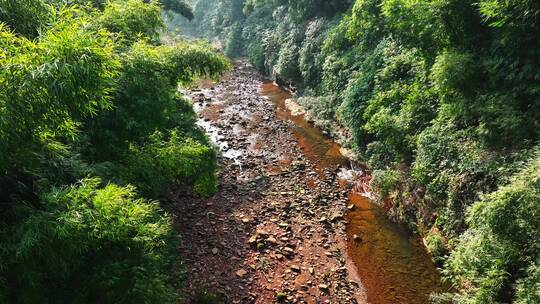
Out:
{"x": 440, "y": 97}
{"x": 93, "y": 129}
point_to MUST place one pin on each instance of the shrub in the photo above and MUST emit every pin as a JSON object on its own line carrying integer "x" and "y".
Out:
{"x": 256, "y": 55}
{"x": 235, "y": 44}
{"x": 527, "y": 288}
{"x": 322, "y": 108}
{"x": 287, "y": 65}
{"x": 173, "y": 158}
{"x": 25, "y": 17}
{"x": 133, "y": 19}
{"x": 146, "y": 99}
{"x": 384, "y": 182}
{"x": 453, "y": 73}
{"x": 90, "y": 243}
{"x": 50, "y": 85}
{"x": 436, "y": 247}
{"x": 310, "y": 59}
{"x": 502, "y": 239}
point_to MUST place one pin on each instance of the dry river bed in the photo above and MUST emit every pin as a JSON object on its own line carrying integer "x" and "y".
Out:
{"x": 276, "y": 230}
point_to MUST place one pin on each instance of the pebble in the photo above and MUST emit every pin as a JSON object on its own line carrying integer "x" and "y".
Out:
{"x": 241, "y": 273}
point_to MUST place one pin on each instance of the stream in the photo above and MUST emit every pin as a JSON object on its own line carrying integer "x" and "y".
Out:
{"x": 392, "y": 263}
{"x": 285, "y": 226}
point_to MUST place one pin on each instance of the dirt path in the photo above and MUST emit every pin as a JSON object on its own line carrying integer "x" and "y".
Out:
{"x": 275, "y": 231}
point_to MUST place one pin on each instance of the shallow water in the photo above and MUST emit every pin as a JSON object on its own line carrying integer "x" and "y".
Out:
{"x": 318, "y": 148}
{"x": 392, "y": 263}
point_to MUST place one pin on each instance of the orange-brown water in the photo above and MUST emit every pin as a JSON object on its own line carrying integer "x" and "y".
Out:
{"x": 392, "y": 263}
{"x": 319, "y": 149}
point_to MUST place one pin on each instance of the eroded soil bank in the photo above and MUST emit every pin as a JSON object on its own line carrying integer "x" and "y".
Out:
{"x": 277, "y": 229}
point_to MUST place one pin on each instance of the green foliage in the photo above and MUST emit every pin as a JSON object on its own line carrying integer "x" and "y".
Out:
{"x": 384, "y": 182}
{"x": 90, "y": 4}
{"x": 25, "y": 17}
{"x": 287, "y": 65}
{"x": 310, "y": 61}
{"x": 146, "y": 99}
{"x": 435, "y": 246}
{"x": 452, "y": 72}
{"x": 521, "y": 13}
{"x": 89, "y": 243}
{"x": 415, "y": 21}
{"x": 365, "y": 24}
{"x": 133, "y": 19}
{"x": 307, "y": 9}
{"x": 179, "y": 7}
{"x": 402, "y": 104}
{"x": 256, "y": 55}
{"x": 48, "y": 86}
{"x": 527, "y": 289}
{"x": 83, "y": 93}
{"x": 323, "y": 107}
{"x": 234, "y": 46}
{"x": 502, "y": 240}
{"x": 173, "y": 158}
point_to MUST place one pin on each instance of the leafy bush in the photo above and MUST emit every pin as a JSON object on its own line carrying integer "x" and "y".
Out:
{"x": 310, "y": 64}
{"x": 133, "y": 19}
{"x": 89, "y": 243}
{"x": 527, "y": 290}
{"x": 384, "y": 182}
{"x": 256, "y": 55}
{"x": 173, "y": 158}
{"x": 146, "y": 99}
{"x": 66, "y": 85}
{"x": 502, "y": 240}
{"x": 39, "y": 113}
{"x": 25, "y": 17}
{"x": 322, "y": 109}
{"x": 435, "y": 245}
{"x": 287, "y": 65}
{"x": 234, "y": 43}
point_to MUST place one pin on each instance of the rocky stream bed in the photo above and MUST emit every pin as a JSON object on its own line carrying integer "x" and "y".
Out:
{"x": 276, "y": 231}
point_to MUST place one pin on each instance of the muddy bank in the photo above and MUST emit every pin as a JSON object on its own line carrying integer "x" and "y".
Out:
{"x": 277, "y": 229}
